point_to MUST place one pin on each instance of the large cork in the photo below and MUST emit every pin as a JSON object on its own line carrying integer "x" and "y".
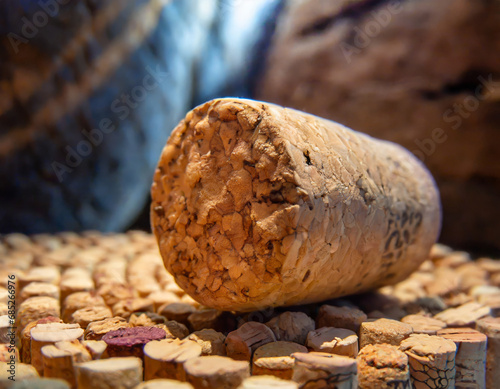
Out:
{"x": 256, "y": 205}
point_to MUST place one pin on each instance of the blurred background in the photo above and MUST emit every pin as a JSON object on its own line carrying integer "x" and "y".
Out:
{"x": 90, "y": 91}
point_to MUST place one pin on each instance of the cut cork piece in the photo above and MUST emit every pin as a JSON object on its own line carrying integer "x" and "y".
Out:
{"x": 97, "y": 329}
{"x": 51, "y": 333}
{"x": 267, "y": 382}
{"x": 177, "y": 311}
{"x": 212, "y": 318}
{"x": 164, "y": 384}
{"x": 214, "y": 372}
{"x": 25, "y": 337}
{"x": 383, "y": 366}
{"x": 48, "y": 274}
{"x": 113, "y": 292}
{"x": 125, "y": 308}
{"x": 144, "y": 319}
{"x": 255, "y": 205}
{"x": 36, "y": 308}
{"x": 383, "y": 331}
{"x": 84, "y": 316}
{"x": 75, "y": 280}
{"x": 96, "y": 348}
{"x": 211, "y": 342}
{"x": 321, "y": 370}
{"x": 470, "y": 359}
{"x": 340, "y": 317}
{"x": 275, "y": 359}
{"x": 79, "y": 300}
{"x": 174, "y": 329}
{"x": 23, "y": 371}
{"x": 5, "y": 329}
{"x": 431, "y": 360}
{"x": 9, "y": 353}
{"x": 35, "y": 289}
{"x": 464, "y": 315}
{"x": 165, "y": 358}
{"x": 333, "y": 341}
{"x": 491, "y": 328}
{"x": 424, "y": 324}
{"x": 291, "y": 326}
{"x": 130, "y": 341}
{"x": 241, "y": 343}
{"x": 119, "y": 373}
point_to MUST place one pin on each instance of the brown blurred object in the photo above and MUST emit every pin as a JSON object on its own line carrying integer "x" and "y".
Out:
{"x": 425, "y": 74}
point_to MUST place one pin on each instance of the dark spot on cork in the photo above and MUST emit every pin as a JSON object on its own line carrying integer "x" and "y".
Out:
{"x": 159, "y": 211}
{"x": 307, "y": 157}
{"x": 306, "y": 276}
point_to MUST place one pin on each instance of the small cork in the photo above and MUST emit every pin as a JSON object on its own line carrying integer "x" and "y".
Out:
{"x": 214, "y": 372}
{"x": 119, "y": 373}
{"x": 25, "y": 337}
{"x": 35, "y": 289}
{"x": 141, "y": 274}
{"x": 383, "y": 331}
{"x": 340, "y": 317}
{"x": 8, "y": 353}
{"x": 211, "y": 342}
{"x": 83, "y": 317}
{"x": 130, "y": 341}
{"x": 164, "y": 358}
{"x": 424, "y": 324}
{"x": 491, "y": 328}
{"x": 75, "y": 280}
{"x": 212, "y": 318}
{"x": 432, "y": 361}
{"x": 96, "y": 348}
{"x": 48, "y": 274}
{"x": 163, "y": 297}
{"x": 241, "y": 343}
{"x": 275, "y": 359}
{"x": 383, "y": 366}
{"x": 41, "y": 383}
{"x": 174, "y": 329}
{"x": 23, "y": 372}
{"x": 79, "y": 300}
{"x": 111, "y": 271}
{"x": 164, "y": 384}
{"x": 291, "y": 326}
{"x": 177, "y": 311}
{"x": 470, "y": 359}
{"x": 97, "y": 329}
{"x": 321, "y": 370}
{"x": 145, "y": 319}
{"x": 267, "y": 382}
{"x": 125, "y": 308}
{"x": 36, "y": 308}
{"x": 5, "y": 328}
{"x": 331, "y": 340}
{"x": 112, "y": 293}
{"x": 463, "y": 316}
{"x": 50, "y": 333}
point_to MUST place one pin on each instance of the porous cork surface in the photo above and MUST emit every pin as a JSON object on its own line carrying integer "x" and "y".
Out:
{"x": 255, "y": 205}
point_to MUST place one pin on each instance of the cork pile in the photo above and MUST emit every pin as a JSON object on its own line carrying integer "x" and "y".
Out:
{"x": 100, "y": 311}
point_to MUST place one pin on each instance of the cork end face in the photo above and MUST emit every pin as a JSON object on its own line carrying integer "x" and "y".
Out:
{"x": 219, "y": 180}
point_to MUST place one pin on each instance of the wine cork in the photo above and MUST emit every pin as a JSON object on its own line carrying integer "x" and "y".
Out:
{"x": 267, "y": 382}
{"x": 41, "y": 383}
{"x": 96, "y": 330}
{"x": 111, "y": 271}
{"x": 275, "y": 359}
{"x": 331, "y": 340}
{"x": 321, "y": 370}
{"x": 79, "y": 300}
{"x": 75, "y": 279}
{"x": 174, "y": 329}
{"x": 214, "y": 372}
{"x": 383, "y": 331}
{"x": 125, "y": 308}
{"x": 241, "y": 343}
{"x": 423, "y": 324}
{"x": 470, "y": 359}
{"x": 145, "y": 319}
{"x": 211, "y": 342}
{"x": 162, "y": 297}
{"x": 50, "y": 333}
{"x": 25, "y": 337}
{"x": 84, "y": 316}
{"x": 23, "y": 371}
{"x": 119, "y": 373}
{"x": 112, "y": 293}
{"x": 213, "y": 319}
{"x": 5, "y": 328}
{"x": 383, "y": 366}
{"x": 9, "y": 353}
{"x": 491, "y": 328}
{"x": 164, "y": 358}
{"x": 463, "y": 316}
{"x": 47, "y": 274}
{"x": 431, "y": 360}
{"x": 36, "y": 308}
{"x": 291, "y": 326}
{"x": 34, "y": 289}
{"x": 177, "y": 311}
{"x": 96, "y": 348}
{"x": 340, "y": 317}
{"x": 141, "y": 274}
{"x": 164, "y": 384}
{"x": 131, "y": 341}
{"x": 269, "y": 200}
